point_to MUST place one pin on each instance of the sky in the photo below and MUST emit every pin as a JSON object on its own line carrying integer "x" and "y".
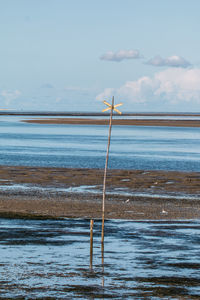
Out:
{"x": 70, "y": 55}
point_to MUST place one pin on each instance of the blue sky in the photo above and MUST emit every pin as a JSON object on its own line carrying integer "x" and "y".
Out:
{"x": 65, "y": 55}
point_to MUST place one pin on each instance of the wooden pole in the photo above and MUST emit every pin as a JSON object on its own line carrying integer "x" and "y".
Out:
{"x": 91, "y": 242}
{"x": 104, "y": 179}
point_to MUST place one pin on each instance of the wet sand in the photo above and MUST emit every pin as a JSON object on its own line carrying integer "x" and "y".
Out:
{"x": 59, "y": 204}
{"x": 127, "y": 122}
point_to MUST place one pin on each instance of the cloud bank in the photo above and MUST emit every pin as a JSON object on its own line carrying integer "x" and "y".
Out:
{"x": 173, "y": 85}
{"x": 171, "y": 61}
{"x": 10, "y": 96}
{"x": 121, "y": 55}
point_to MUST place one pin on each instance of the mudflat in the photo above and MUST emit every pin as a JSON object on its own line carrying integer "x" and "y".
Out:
{"x": 127, "y": 122}
{"x": 37, "y": 192}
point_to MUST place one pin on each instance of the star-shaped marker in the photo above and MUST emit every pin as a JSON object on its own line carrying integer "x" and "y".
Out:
{"x": 112, "y": 107}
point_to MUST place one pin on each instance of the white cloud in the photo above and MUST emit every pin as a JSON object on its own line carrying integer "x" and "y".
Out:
{"x": 121, "y": 55}
{"x": 107, "y": 93}
{"x": 171, "y": 61}
{"x": 173, "y": 85}
{"x": 10, "y": 96}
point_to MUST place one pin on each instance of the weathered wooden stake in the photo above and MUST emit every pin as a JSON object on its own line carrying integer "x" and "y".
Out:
{"x": 91, "y": 242}
{"x": 102, "y": 263}
{"x": 104, "y": 179}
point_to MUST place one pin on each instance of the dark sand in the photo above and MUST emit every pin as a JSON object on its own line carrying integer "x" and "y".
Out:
{"x": 55, "y": 204}
{"x": 129, "y": 122}
{"x": 89, "y": 114}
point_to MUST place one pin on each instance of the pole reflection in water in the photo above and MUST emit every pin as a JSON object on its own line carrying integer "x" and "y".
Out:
{"x": 91, "y": 243}
{"x": 102, "y": 263}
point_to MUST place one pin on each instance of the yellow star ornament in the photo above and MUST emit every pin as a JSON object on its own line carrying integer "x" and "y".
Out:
{"x": 110, "y": 107}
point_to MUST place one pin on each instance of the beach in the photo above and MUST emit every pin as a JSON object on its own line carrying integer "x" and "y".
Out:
{"x": 76, "y": 192}
{"x": 36, "y": 192}
{"x": 51, "y": 182}
{"x": 89, "y": 87}
{"x": 125, "y": 122}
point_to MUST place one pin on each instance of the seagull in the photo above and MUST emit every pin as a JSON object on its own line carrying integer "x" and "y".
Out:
{"x": 127, "y": 201}
{"x": 164, "y": 212}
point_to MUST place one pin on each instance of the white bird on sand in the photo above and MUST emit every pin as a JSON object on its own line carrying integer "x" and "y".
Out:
{"x": 164, "y": 212}
{"x": 127, "y": 201}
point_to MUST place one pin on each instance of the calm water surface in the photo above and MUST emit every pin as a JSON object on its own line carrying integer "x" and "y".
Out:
{"x": 142, "y": 260}
{"x": 84, "y": 146}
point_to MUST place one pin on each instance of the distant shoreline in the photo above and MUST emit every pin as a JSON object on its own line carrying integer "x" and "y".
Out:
{"x": 93, "y": 114}
{"x": 127, "y": 122}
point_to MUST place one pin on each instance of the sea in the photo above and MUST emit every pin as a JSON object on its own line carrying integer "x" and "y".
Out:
{"x": 84, "y": 146}
{"x": 50, "y": 259}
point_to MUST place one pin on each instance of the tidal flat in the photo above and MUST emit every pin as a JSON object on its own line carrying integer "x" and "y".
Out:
{"x": 124, "y": 122}
{"x": 70, "y": 192}
{"x": 51, "y": 186}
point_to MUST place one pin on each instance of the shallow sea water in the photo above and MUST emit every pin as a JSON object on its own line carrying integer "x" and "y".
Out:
{"x": 84, "y": 146}
{"x": 50, "y": 259}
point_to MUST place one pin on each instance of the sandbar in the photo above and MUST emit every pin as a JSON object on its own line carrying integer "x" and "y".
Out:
{"x": 131, "y": 194}
{"x": 127, "y": 122}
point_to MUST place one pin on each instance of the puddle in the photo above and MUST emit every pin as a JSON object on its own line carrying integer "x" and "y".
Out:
{"x": 93, "y": 189}
{"x": 142, "y": 260}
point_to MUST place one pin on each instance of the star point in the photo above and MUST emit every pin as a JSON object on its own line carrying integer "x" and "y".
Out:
{"x": 112, "y": 107}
